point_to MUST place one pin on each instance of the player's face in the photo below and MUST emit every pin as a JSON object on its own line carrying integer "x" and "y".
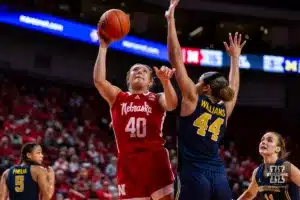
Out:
{"x": 139, "y": 77}
{"x": 268, "y": 144}
{"x": 36, "y": 155}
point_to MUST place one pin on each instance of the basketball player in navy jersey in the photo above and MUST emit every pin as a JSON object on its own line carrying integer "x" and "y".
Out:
{"x": 275, "y": 179}
{"x": 30, "y": 179}
{"x": 205, "y": 109}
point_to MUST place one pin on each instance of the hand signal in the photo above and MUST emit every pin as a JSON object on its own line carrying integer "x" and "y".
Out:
{"x": 235, "y": 46}
{"x": 164, "y": 73}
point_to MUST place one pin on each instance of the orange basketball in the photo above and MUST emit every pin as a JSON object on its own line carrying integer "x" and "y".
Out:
{"x": 113, "y": 25}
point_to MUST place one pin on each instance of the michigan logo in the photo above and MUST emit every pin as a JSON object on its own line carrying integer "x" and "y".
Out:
{"x": 278, "y": 174}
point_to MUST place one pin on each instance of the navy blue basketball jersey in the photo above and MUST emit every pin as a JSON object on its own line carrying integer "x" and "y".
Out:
{"x": 21, "y": 185}
{"x": 273, "y": 182}
{"x": 200, "y": 134}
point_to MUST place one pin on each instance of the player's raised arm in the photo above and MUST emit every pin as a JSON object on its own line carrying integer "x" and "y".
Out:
{"x": 3, "y": 186}
{"x": 234, "y": 51}
{"x": 45, "y": 180}
{"x": 168, "y": 99}
{"x": 187, "y": 86}
{"x": 252, "y": 190}
{"x": 108, "y": 91}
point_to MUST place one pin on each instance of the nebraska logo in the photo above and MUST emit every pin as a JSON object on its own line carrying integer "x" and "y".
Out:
{"x": 134, "y": 108}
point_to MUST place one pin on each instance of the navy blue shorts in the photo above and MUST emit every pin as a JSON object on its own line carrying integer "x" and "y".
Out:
{"x": 202, "y": 184}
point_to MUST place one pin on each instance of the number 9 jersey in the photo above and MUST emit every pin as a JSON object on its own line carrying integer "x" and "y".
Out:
{"x": 143, "y": 169}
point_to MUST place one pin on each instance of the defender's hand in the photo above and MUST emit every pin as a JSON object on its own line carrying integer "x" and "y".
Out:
{"x": 170, "y": 12}
{"x": 164, "y": 73}
{"x": 235, "y": 47}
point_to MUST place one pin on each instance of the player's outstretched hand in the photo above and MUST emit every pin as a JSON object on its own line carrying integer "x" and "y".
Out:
{"x": 170, "y": 12}
{"x": 164, "y": 73}
{"x": 235, "y": 46}
{"x": 104, "y": 41}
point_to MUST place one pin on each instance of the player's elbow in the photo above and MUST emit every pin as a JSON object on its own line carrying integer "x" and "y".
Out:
{"x": 98, "y": 83}
{"x": 47, "y": 196}
{"x": 172, "y": 105}
{"x": 170, "y": 108}
{"x": 47, "y": 192}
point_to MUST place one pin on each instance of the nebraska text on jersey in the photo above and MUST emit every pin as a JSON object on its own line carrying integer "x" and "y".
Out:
{"x": 134, "y": 108}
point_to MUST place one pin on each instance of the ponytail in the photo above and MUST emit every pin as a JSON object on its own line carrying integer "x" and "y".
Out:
{"x": 220, "y": 89}
{"x": 226, "y": 94}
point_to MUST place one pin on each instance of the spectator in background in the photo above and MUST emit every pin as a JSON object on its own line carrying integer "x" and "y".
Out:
{"x": 74, "y": 165}
{"x": 104, "y": 193}
{"x": 82, "y": 182}
{"x": 111, "y": 169}
{"x": 61, "y": 163}
{"x": 95, "y": 156}
{"x": 5, "y": 147}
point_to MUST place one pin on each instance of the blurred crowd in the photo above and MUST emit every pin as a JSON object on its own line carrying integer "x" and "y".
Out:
{"x": 73, "y": 128}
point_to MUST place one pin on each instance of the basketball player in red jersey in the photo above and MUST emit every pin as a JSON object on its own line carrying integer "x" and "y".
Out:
{"x": 144, "y": 169}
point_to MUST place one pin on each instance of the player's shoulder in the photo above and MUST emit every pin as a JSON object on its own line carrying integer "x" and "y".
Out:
{"x": 6, "y": 172}
{"x": 156, "y": 95}
{"x": 10, "y": 169}
{"x": 37, "y": 169}
{"x": 255, "y": 174}
{"x": 255, "y": 170}
{"x": 121, "y": 96}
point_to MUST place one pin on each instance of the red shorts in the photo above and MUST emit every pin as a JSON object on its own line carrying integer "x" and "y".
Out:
{"x": 145, "y": 175}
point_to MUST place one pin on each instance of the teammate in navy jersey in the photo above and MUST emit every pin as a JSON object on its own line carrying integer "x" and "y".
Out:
{"x": 204, "y": 111}
{"x": 28, "y": 180}
{"x": 144, "y": 169}
{"x": 275, "y": 179}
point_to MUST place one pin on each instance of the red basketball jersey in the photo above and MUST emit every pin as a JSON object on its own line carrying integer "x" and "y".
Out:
{"x": 137, "y": 121}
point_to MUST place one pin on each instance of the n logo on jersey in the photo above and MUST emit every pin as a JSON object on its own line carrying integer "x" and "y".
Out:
{"x": 121, "y": 189}
{"x": 137, "y": 97}
{"x": 277, "y": 173}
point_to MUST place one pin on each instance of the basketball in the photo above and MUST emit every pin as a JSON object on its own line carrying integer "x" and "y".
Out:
{"x": 113, "y": 25}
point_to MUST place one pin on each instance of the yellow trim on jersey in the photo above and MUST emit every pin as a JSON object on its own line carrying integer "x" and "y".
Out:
{"x": 287, "y": 194}
{"x": 178, "y": 188}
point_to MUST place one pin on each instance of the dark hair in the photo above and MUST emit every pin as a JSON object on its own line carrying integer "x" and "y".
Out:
{"x": 149, "y": 68}
{"x": 283, "y": 154}
{"x": 28, "y": 148}
{"x": 219, "y": 85}
{"x": 226, "y": 94}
